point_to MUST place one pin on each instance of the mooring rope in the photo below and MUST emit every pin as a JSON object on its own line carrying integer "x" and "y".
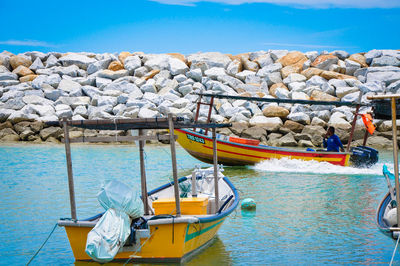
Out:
{"x": 37, "y": 252}
{"x": 394, "y": 251}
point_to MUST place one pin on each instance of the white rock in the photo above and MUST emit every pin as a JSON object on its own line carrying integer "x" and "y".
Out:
{"x": 73, "y": 101}
{"x": 79, "y": 60}
{"x": 296, "y": 86}
{"x": 351, "y": 66}
{"x": 351, "y": 97}
{"x": 194, "y": 74}
{"x": 102, "y": 82}
{"x": 147, "y": 113}
{"x": 149, "y": 86}
{"x": 282, "y": 93}
{"x": 337, "y": 120}
{"x": 269, "y": 69}
{"x": 176, "y": 66}
{"x": 312, "y": 55}
{"x": 37, "y": 64}
{"x": 107, "y": 100}
{"x": 214, "y": 72}
{"x": 272, "y": 78}
{"x": 270, "y": 123}
{"x": 152, "y": 97}
{"x": 34, "y": 99}
{"x": 298, "y": 95}
{"x": 294, "y": 77}
{"x": 11, "y": 95}
{"x": 343, "y": 91}
{"x": 276, "y": 54}
{"x": 208, "y": 60}
{"x": 299, "y": 118}
{"x": 4, "y": 114}
{"x": 52, "y": 61}
{"x": 99, "y": 65}
{"x": 81, "y": 110}
{"x": 69, "y": 86}
{"x": 242, "y": 75}
{"x": 132, "y": 62}
{"x": 113, "y": 75}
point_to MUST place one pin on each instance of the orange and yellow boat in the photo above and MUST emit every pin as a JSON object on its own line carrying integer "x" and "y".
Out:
{"x": 241, "y": 151}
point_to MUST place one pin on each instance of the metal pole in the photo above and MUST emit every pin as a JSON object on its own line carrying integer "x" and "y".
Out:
{"x": 143, "y": 174}
{"x": 395, "y": 157}
{"x": 69, "y": 169}
{"x": 215, "y": 159}
{"x": 174, "y": 170}
{"x": 194, "y": 190}
{"x": 353, "y": 125}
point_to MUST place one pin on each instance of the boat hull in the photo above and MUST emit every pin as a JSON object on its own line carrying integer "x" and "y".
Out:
{"x": 236, "y": 154}
{"x": 171, "y": 243}
{"x": 170, "y": 238}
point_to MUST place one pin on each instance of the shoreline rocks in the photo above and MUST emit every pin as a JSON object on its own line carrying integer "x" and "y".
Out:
{"x": 37, "y": 87}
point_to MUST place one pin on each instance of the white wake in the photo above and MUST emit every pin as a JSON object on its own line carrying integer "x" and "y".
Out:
{"x": 300, "y": 166}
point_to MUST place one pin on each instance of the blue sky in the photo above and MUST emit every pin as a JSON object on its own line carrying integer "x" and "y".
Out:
{"x": 189, "y": 26}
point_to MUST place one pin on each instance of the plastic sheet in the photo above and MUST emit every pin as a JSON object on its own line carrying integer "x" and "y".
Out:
{"x": 108, "y": 236}
{"x": 122, "y": 204}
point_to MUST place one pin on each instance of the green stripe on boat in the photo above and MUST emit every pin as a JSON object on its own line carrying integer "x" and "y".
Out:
{"x": 197, "y": 233}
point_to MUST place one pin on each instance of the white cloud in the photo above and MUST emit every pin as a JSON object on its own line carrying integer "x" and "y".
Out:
{"x": 314, "y": 46}
{"x": 32, "y": 43}
{"x": 297, "y": 3}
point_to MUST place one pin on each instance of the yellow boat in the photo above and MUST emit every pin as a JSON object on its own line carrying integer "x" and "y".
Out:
{"x": 163, "y": 237}
{"x": 180, "y": 218}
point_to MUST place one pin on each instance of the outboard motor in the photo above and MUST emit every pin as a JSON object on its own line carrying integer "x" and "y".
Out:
{"x": 363, "y": 156}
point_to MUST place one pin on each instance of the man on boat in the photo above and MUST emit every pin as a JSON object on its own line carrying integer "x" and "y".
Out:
{"x": 332, "y": 141}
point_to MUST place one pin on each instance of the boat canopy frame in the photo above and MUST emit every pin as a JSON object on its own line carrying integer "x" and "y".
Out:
{"x": 170, "y": 122}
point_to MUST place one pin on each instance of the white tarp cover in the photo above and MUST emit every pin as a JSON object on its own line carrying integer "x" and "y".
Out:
{"x": 112, "y": 230}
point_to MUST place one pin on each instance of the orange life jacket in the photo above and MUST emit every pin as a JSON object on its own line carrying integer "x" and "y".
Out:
{"x": 367, "y": 119}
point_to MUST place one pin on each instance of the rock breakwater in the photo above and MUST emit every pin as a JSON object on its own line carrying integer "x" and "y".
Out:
{"x": 37, "y": 87}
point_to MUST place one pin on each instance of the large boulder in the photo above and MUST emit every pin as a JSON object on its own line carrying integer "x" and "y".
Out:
{"x": 275, "y": 111}
{"x": 287, "y": 140}
{"x": 255, "y": 132}
{"x": 18, "y": 60}
{"x": 293, "y": 126}
{"x": 208, "y": 60}
{"x": 269, "y": 123}
{"x": 82, "y": 61}
{"x": 324, "y": 61}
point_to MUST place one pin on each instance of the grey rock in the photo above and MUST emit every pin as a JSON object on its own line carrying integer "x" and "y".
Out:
{"x": 287, "y": 140}
{"x": 385, "y": 61}
{"x": 276, "y": 54}
{"x": 14, "y": 104}
{"x": 312, "y": 55}
{"x": 294, "y": 77}
{"x": 4, "y": 114}
{"x": 37, "y": 64}
{"x": 91, "y": 91}
{"x": 11, "y": 95}
{"x": 343, "y": 91}
{"x": 342, "y": 55}
{"x": 140, "y": 71}
{"x": 53, "y": 94}
{"x": 8, "y": 76}
{"x": 299, "y": 117}
{"x": 34, "y": 99}
{"x": 107, "y": 100}
{"x": 269, "y": 69}
{"x": 43, "y": 110}
{"x": 52, "y": 61}
{"x": 6, "y": 83}
{"x": 72, "y": 71}
{"x": 184, "y": 90}
{"x": 194, "y": 74}
{"x": 351, "y": 67}
{"x": 264, "y": 60}
{"x": 351, "y": 97}
{"x": 272, "y": 78}
{"x": 295, "y": 86}
{"x": 253, "y": 79}
{"x": 394, "y": 87}
{"x": 326, "y": 64}
{"x": 149, "y": 86}
{"x": 371, "y": 55}
{"x": 99, "y": 65}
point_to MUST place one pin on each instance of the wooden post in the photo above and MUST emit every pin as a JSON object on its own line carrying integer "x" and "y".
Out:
{"x": 365, "y": 137}
{"x": 209, "y": 112}
{"x": 69, "y": 169}
{"x": 395, "y": 157}
{"x": 215, "y": 160}
{"x": 143, "y": 175}
{"x": 174, "y": 170}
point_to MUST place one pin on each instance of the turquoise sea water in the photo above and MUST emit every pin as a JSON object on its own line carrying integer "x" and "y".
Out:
{"x": 307, "y": 213}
